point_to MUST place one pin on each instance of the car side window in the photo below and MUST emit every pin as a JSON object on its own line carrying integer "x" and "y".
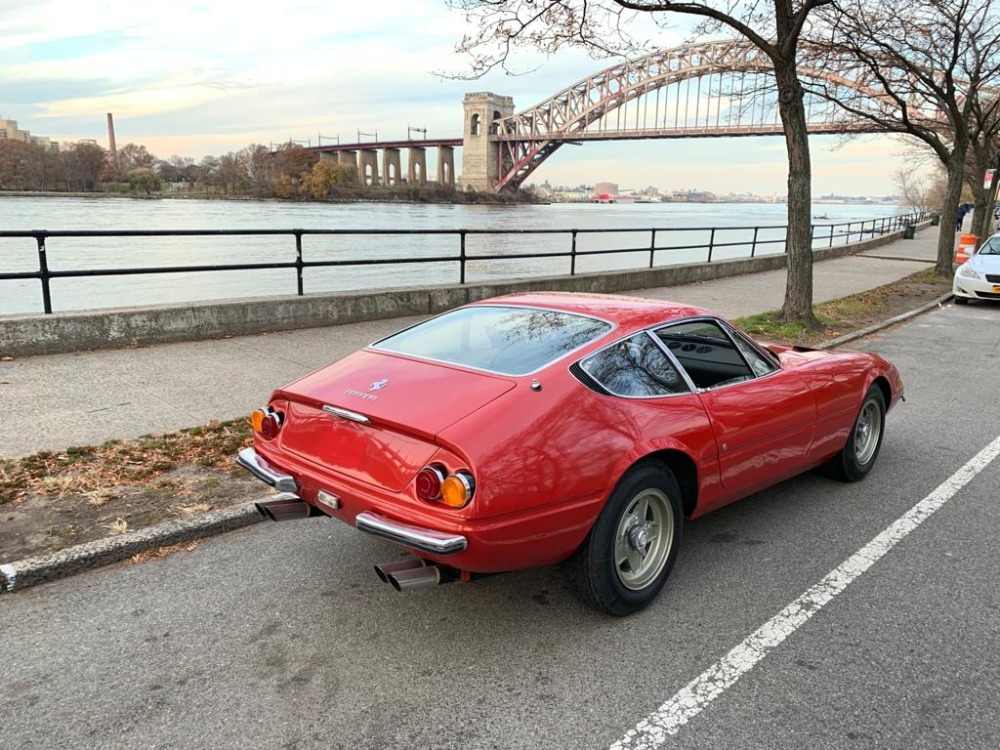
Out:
{"x": 707, "y": 353}
{"x": 757, "y": 361}
{"x": 635, "y": 368}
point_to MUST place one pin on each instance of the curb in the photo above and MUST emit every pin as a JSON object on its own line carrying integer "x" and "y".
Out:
{"x": 32, "y": 571}
{"x": 860, "y": 334}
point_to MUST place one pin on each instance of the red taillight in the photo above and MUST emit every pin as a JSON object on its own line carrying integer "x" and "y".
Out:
{"x": 269, "y": 428}
{"x": 429, "y": 483}
{"x": 267, "y": 423}
{"x": 454, "y": 490}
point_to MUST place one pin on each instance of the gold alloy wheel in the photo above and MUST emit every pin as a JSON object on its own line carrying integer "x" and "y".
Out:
{"x": 644, "y": 539}
{"x": 867, "y": 431}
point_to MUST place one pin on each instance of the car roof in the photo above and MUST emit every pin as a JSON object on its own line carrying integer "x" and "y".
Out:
{"x": 627, "y": 312}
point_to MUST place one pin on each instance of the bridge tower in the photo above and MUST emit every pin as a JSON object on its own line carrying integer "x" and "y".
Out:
{"x": 480, "y": 155}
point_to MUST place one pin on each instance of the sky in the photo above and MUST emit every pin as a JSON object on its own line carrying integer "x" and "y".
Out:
{"x": 200, "y": 77}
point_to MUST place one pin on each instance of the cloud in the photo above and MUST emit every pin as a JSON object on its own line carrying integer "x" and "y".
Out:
{"x": 199, "y": 77}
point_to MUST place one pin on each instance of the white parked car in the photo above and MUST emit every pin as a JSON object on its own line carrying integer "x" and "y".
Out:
{"x": 979, "y": 277}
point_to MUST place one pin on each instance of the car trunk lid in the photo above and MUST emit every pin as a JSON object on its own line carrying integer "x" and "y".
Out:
{"x": 374, "y": 416}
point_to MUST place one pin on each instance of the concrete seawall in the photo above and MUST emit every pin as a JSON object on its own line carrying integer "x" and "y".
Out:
{"x": 27, "y": 335}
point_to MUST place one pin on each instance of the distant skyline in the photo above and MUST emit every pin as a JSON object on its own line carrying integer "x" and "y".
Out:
{"x": 204, "y": 77}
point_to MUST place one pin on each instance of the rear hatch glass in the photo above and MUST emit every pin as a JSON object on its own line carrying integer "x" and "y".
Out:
{"x": 499, "y": 339}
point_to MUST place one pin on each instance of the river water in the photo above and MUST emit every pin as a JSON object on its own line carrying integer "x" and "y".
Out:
{"x": 680, "y": 228}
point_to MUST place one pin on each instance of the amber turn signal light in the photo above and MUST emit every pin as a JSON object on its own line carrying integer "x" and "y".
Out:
{"x": 457, "y": 490}
{"x": 266, "y": 423}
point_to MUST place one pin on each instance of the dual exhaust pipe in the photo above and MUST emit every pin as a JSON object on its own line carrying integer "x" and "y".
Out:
{"x": 402, "y": 575}
{"x": 405, "y": 575}
{"x": 286, "y": 509}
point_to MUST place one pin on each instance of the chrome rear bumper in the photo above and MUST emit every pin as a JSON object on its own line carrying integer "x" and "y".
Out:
{"x": 425, "y": 540}
{"x": 252, "y": 462}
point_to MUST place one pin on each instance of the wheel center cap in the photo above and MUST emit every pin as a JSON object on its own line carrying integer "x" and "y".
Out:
{"x": 638, "y": 536}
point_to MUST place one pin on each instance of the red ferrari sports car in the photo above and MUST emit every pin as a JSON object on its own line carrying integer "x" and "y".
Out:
{"x": 579, "y": 428}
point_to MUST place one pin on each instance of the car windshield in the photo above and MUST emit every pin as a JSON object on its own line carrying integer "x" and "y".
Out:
{"x": 990, "y": 247}
{"x": 504, "y": 340}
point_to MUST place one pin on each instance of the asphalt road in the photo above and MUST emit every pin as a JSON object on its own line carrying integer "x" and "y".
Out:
{"x": 280, "y": 636}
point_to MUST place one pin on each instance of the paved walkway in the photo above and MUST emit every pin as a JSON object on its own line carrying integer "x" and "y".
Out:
{"x": 61, "y": 400}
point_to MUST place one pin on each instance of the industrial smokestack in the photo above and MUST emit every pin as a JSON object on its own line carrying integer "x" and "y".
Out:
{"x": 111, "y": 139}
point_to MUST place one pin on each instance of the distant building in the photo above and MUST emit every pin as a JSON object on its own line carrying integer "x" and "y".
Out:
{"x": 606, "y": 188}
{"x": 692, "y": 196}
{"x": 10, "y": 131}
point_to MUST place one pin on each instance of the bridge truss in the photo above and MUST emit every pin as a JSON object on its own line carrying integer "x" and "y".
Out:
{"x": 714, "y": 89}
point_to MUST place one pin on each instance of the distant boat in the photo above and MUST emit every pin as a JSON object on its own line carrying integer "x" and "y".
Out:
{"x": 608, "y": 198}
{"x": 821, "y": 216}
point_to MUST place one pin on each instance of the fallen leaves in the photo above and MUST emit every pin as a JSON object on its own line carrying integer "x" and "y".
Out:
{"x": 163, "y": 552}
{"x": 88, "y": 471}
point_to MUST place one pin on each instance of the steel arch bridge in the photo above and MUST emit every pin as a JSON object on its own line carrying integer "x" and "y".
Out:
{"x": 723, "y": 88}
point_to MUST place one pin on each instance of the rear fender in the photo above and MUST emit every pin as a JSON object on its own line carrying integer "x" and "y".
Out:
{"x": 697, "y": 472}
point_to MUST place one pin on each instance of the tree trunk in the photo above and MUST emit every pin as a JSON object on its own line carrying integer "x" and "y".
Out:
{"x": 981, "y": 215}
{"x": 798, "y": 242}
{"x": 946, "y": 237}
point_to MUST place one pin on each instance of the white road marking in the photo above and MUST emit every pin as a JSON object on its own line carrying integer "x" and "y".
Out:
{"x": 667, "y": 720}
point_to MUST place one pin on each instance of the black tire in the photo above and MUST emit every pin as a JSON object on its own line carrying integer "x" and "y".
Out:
{"x": 861, "y": 450}
{"x": 642, "y": 524}
{"x": 961, "y": 300}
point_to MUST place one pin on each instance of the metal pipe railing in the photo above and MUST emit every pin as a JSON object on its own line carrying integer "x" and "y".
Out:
{"x": 843, "y": 232}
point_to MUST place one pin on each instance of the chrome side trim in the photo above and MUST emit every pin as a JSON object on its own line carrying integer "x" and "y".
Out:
{"x": 426, "y": 540}
{"x": 252, "y": 462}
{"x": 347, "y": 414}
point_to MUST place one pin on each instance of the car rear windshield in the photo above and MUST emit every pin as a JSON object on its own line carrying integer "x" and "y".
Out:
{"x": 504, "y": 340}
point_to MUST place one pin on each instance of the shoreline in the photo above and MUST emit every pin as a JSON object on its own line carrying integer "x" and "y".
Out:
{"x": 454, "y": 197}
{"x": 468, "y": 199}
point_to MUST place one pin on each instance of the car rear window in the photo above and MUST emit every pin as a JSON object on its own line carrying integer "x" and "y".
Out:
{"x": 504, "y": 340}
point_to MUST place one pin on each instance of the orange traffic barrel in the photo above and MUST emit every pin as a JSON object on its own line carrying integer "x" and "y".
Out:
{"x": 966, "y": 248}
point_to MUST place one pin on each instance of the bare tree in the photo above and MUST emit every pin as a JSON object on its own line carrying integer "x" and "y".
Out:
{"x": 922, "y": 67}
{"x": 208, "y": 171}
{"x": 134, "y": 156}
{"x": 258, "y": 163}
{"x": 176, "y": 169}
{"x": 18, "y": 160}
{"x": 230, "y": 173}
{"x": 51, "y": 170}
{"x": 984, "y": 154}
{"x": 84, "y": 163}
{"x": 775, "y": 27}
{"x": 914, "y": 187}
